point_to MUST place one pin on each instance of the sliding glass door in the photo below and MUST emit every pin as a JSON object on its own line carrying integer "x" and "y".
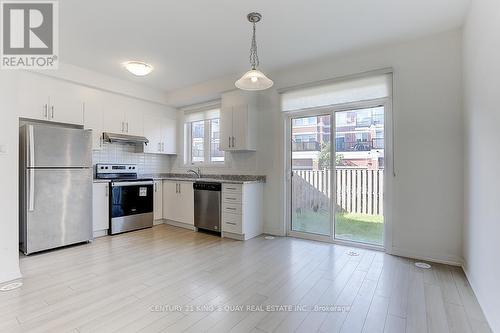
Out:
{"x": 359, "y": 175}
{"x": 337, "y": 186}
{"x": 310, "y": 183}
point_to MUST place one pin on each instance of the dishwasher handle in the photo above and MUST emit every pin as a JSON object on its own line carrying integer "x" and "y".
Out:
{"x": 203, "y": 186}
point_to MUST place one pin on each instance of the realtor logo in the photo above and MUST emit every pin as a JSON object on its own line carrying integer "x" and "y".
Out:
{"x": 29, "y": 35}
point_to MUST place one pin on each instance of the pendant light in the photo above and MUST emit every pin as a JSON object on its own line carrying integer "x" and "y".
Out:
{"x": 254, "y": 79}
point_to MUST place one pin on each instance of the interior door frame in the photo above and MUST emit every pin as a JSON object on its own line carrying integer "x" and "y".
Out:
{"x": 388, "y": 167}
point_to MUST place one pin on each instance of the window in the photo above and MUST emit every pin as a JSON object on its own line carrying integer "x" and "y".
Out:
{"x": 197, "y": 141}
{"x": 216, "y": 155}
{"x": 202, "y": 144}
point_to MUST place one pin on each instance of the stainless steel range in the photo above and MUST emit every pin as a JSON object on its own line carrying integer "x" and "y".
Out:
{"x": 131, "y": 199}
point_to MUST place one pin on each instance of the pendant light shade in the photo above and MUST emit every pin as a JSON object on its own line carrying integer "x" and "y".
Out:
{"x": 254, "y": 79}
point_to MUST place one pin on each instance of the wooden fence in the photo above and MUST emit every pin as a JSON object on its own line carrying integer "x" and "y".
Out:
{"x": 357, "y": 190}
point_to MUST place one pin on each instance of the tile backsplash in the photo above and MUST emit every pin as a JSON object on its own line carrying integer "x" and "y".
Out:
{"x": 125, "y": 154}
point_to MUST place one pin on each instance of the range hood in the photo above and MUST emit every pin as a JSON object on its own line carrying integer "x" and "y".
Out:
{"x": 124, "y": 138}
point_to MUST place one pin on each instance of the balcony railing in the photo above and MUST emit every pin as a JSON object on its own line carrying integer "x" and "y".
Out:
{"x": 306, "y": 146}
{"x": 348, "y": 146}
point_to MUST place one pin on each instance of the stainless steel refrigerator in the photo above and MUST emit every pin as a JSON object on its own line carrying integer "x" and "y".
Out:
{"x": 55, "y": 187}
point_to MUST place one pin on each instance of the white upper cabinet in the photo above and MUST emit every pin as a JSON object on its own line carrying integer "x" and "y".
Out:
{"x": 152, "y": 131}
{"x": 123, "y": 115}
{"x": 161, "y": 133}
{"x": 169, "y": 136}
{"x": 113, "y": 121}
{"x": 134, "y": 122}
{"x": 238, "y": 121}
{"x": 93, "y": 116}
{"x": 48, "y": 99}
{"x": 66, "y": 103}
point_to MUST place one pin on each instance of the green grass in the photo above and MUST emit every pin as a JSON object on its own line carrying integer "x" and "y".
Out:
{"x": 348, "y": 226}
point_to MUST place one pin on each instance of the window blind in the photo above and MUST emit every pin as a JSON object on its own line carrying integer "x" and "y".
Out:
{"x": 339, "y": 92}
{"x": 190, "y": 116}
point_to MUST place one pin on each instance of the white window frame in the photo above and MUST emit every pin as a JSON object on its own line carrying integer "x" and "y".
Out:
{"x": 206, "y": 145}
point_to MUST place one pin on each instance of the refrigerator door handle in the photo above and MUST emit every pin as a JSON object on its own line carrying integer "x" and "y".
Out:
{"x": 31, "y": 146}
{"x": 31, "y": 190}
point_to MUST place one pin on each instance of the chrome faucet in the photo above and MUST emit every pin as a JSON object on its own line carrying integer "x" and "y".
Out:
{"x": 196, "y": 172}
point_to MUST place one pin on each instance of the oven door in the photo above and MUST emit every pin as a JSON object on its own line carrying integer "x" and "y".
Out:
{"x": 131, "y": 206}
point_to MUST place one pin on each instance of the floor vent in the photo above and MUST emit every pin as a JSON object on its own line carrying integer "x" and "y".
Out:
{"x": 353, "y": 253}
{"x": 422, "y": 265}
{"x": 269, "y": 237}
{"x": 11, "y": 286}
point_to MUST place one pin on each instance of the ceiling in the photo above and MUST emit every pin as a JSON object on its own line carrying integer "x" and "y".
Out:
{"x": 192, "y": 41}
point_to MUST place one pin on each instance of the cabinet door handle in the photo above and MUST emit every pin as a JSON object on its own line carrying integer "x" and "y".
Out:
{"x": 156, "y": 187}
{"x": 229, "y": 142}
{"x": 230, "y": 208}
{"x": 46, "y": 113}
{"x": 52, "y": 112}
{"x": 159, "y": 146}
{"x": 233, "y": 141}
{"x": 107, "y": 189}
{"x": 180, "y": 189}
{"x": 123, "y": 127}
{"x": 231, "y": 223}
{"x": 163, "y": 146}
{"x": 127, "y": 126}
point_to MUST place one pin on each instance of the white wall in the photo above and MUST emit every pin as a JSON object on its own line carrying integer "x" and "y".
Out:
{"x": 9, "y": 235}
{"x": 482, "y": 117}
{"x": 428, "y": 189}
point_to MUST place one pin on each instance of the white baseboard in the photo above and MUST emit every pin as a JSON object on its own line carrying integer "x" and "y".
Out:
{"x": 10, "y": 276}
{"x": 157, "y": 222}
{"x": 274, "y": 232}
{"x": 448, "y": 260}
{"x": 100, "y": 233}
{"x": 180, "y": 225}
{"x": 231, "y": 235}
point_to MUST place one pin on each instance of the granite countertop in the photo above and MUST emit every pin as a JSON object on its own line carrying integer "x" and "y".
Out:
{"x": 230, "y": 179}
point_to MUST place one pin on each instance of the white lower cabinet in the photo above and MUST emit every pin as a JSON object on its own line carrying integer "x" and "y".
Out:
{"x": 242, "y": 210}
{"x": 178, "y": 203}
{"x": 100, "y": 209}
{"x": 158, "y": 201}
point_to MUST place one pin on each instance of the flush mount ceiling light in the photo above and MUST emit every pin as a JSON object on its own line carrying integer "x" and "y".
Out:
{"x": 254, "y": 79}
{"x": 138, "y": 68}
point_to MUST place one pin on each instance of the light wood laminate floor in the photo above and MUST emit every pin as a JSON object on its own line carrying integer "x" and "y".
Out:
{"x": 126, "y": 283}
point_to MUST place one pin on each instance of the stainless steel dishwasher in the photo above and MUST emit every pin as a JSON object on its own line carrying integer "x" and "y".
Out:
{"x": 207, "y": 206}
